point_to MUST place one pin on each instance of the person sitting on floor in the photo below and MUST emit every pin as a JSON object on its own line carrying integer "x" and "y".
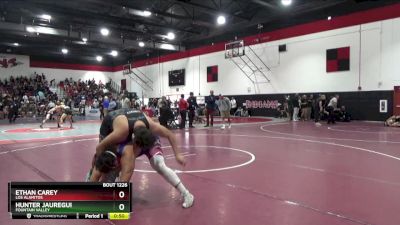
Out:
{"x": 245, "y": 112}
{"x": 238, "y": 112}
{"x": 281, "y": 113}
{"x": 344, "y": 116}
{"x": 393, "y": 121}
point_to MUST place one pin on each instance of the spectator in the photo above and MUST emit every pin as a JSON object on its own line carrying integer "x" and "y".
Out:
{"x": 13, "y": 112}
{"x": 234, "y": 106}
{"x": 95, "y": 104}
{"x": 41, "y": 95}
{"x": 169, "y": 102}
{"x": 25, "y": 98}
{"x": 332, "y": 107}
{"x": 245, "y": 112}
{"x": 303, "y": 107}
{"x": 162, "y": 102}
{"x": 311, "y": 104}
{"x": 239, "y": 112}
{"x": 307, "y": 107}
{"x": 152, "y": 107}
{"x": 183, "y": 106}
{"x": 344, "y": 116}
{"x": 165, "y": 111}
{"x": 1, "y": 107}
{"x": 101, "y": 108}
{"x": 224, "y": 106}
{"x": 106, "y": 104}
{"x": 53, "y": 83}
{"x": 126, "y": 103}
{"x": 210, "y": 108}
{"x": 134, "y": 104}
{"x": 281, "y": 112}
{"x": 289, "y": 108}
{"x": 113, "y": 105}
{"x": 82, "y": 105}
{"x": 296, "y": 107}
{"x": 393, "y": 121}
{"x": 192, "y": 108}
{"x": 320, "y": 109}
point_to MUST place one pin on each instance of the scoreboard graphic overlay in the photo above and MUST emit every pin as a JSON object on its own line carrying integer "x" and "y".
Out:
{"x": 69, "y": 200}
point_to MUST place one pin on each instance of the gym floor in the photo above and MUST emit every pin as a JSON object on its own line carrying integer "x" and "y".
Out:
{"x": 258, "y": 172}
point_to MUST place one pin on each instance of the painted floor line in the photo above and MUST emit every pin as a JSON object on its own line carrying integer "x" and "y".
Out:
{"x": 328, "y": 138}
{"x": 45, "y": 145}
{"x": 311, "y": 141}
{"x": 287, "y": 201}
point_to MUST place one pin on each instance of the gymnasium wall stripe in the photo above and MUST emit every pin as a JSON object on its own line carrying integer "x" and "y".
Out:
{"x": 57, "y": 65}
{"x": 362, "y": 17}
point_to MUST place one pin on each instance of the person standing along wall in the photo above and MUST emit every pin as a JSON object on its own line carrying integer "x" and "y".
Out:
{"x": 296, "y": 107}
{"x": 183, "y": 106}
{"x": 210, "y": 108}
{"x": 311, "y": 104}
{"x": 332, "y": 107}
{"x": 224, "y": 106}
{"x": 319, "y": 109}
{"x": 233, "y": 106}
{"x": 303, "y": 106}
{"x": 192, "y": 108}
{"x": 289, "y": 107}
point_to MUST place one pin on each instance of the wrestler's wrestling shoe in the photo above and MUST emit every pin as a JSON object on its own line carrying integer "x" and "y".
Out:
{"x": 188, "y": 200}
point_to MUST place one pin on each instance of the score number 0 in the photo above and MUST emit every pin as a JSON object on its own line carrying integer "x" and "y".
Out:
{"x": 121, "y": 194}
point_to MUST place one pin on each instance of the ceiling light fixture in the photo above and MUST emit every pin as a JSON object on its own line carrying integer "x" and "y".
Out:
{"x": 30, "y": 29}
{"x": 167, "y": 47}
{"x": 46, "y": 17}
{"x": 146, "y": 13}
{"x": 286, "y": 2}
{"x": 221, "y": 20}
{"x": 104, "y": 31}
{"x": 64, "y": 51}
{"x": 114, "y": 53}
{"x": 171, "y": 36}
{"x": 16, "y": 44}
{"x": 84, "y": 39}
{"x": 141, "y": 44}
{"x": 99, "y": 58}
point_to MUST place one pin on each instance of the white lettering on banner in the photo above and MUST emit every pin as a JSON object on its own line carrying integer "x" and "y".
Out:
{"x": 268, "y": 104}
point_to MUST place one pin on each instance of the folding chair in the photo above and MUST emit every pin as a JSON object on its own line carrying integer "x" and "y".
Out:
{"x": 171, "y": 122}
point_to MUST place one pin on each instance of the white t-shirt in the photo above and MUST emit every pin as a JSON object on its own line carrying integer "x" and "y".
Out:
{"x": 333, "y": 102}
{"x": 25, "y": 97}
{"x": 125, "y": 103}
{"x": 233, "y": 103}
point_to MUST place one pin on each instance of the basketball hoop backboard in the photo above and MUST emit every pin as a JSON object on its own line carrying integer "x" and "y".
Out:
{"x": 126, "y": 69}
{"x": 234, "y": 49}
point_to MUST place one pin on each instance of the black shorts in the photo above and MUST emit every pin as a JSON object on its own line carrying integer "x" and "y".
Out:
{"x": 68, "y": 112}
{"x": 106, "y": 127}
{"x": 150, "y": 152}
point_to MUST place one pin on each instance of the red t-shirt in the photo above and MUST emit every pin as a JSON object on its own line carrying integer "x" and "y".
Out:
{"x": 183, "y": 105}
